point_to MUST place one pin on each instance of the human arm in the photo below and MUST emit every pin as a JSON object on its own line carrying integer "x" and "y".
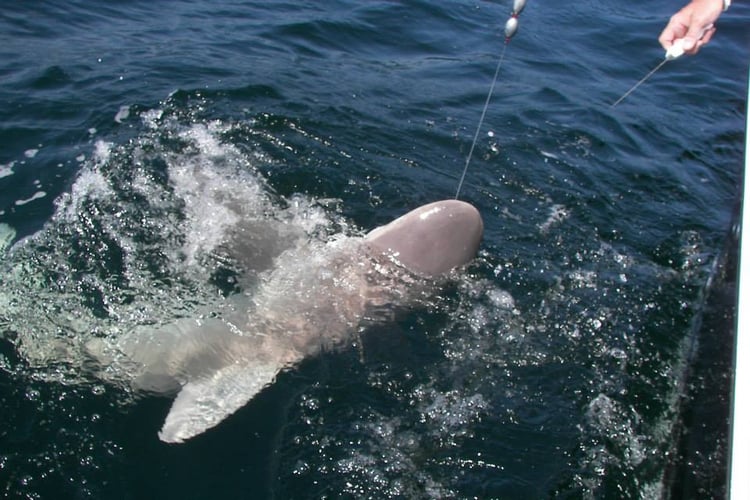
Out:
{"x": 694, "y": 23}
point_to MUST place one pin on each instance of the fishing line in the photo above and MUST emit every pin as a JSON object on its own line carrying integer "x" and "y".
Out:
{"x": 511, "y": 26}
{"x": 481, "y": 121}
{"x": 677, "y": 49}
{"x": 638, "y": 84}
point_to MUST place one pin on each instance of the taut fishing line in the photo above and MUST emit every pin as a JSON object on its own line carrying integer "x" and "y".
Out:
{"x": 511, "y": 26}
{"x": 673, "y": 52}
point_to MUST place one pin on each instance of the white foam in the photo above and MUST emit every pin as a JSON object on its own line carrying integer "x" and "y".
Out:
{"x": 35, "y": 196}
{"x": 102, "y": 151}
{"x": 89, "y": 184}
{"x": 122, "y": 114}
{"x": 152, "y": 117}
{"x": 216, "y": 198}
{"x": 6, "y": 170}
{"x": 7, "y": 234}
{"x": 501, "y": 298}
{"x": 204, "y": 137}
{"x": 557, "y": 214}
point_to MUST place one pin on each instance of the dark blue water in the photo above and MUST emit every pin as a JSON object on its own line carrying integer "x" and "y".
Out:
{"x": 132, "y": 130}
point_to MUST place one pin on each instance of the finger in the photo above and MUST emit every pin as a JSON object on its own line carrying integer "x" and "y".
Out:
{"x": 675, "y": 29}
{"x": 701, "y": 42}
{"x": 698, "y": 31}
{"x": 707, "y": 36}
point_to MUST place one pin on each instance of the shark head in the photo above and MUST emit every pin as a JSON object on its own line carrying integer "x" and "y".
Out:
{"x": 431, "y": 240}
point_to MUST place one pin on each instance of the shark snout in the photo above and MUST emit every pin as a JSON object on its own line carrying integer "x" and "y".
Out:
{"x": 433, "y": 239}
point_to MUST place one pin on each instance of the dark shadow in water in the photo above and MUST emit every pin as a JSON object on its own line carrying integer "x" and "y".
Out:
{"x": 700, "y": 465}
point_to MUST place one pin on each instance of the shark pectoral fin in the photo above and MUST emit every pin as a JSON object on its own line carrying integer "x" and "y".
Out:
{"x": 203, "y": 403}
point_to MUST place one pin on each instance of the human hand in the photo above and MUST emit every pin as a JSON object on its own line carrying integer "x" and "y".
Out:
{"x": 694, "y": 24}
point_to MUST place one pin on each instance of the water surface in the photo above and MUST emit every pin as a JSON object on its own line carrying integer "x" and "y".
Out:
{"x": 132, "y": 132}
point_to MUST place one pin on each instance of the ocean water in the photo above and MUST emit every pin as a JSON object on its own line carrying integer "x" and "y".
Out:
{"x": 158, "y": 159}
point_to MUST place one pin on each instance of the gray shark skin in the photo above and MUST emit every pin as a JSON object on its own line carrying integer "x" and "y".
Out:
{"x": 227, "y": 361}
{"x": 432, "y": 239}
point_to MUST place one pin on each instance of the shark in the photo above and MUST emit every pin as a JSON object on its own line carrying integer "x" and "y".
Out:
{"x": 216, "y": 365}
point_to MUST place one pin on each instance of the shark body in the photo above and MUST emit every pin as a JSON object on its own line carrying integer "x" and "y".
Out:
{"x": 217, "y": 365}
